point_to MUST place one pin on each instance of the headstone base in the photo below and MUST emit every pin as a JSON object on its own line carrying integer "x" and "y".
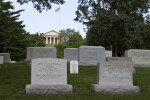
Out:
{"x": 48, "y": 89}
{"x": 115, "y": 89}
{"x": 142, "y": 65}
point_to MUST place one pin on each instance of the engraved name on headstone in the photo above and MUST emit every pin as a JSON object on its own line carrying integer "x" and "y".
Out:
{"x": 124, "y": 59}
{"x": 115, "y": 73}
{"x": 73, "y": 67}
{"x": 49, "y": 72}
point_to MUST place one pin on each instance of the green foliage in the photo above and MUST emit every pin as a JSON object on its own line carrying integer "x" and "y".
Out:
{"x": 115, "y": 24}
{"x": 42, "y": 4}
{"x": 13, "y": 38}
{"x": 11, "y": 31}
{"x": 34, "y": 40}
{"x": 14, "y": 78}
{"x": 60, "y": 50}
{"x": 68, "y": 38}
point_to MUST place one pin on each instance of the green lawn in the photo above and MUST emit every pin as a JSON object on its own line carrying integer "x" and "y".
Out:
{"x": 14, "y": 77}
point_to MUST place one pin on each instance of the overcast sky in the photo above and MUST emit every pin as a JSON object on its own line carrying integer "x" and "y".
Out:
{"x": 49, "y": 20}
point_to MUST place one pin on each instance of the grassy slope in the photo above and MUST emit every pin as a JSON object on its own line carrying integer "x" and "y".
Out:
{"x": 14, "y": 77}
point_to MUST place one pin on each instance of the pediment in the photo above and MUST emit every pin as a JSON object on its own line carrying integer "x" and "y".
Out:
{"x": 51, "y": 33}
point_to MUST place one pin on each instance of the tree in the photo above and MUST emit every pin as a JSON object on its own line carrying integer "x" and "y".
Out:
{"x": 42, "y": 4}
{"x": 11, "y": 31}
{"x": 68, "y": 38}
{"x": 115, "y": 24}
{"x": 34, "y": 40}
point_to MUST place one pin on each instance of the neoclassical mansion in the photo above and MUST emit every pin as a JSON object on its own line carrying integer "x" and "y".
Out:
{"x": 51, "y": 37}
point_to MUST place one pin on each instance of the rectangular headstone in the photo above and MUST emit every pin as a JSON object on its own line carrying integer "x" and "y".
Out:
{"x": 91, "y": 55}
{"x": 1, "y": 59}
{"x": 48, "y": 76}
{"x": 124, "y": 59}
{"x": 115, "y": 77}
{"x": 6, "y": 58}
{"x": 115, "y": 73}
{"x": 141, "y": 58}
{"x": 49, "y": 71}
{"x": 74, "y": 67}
{"x": 40, "y": 52}
{"x": 108, "y": 53}
{"x": 71, "y": 54}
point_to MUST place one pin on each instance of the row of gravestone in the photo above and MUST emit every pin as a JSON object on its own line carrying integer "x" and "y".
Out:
{"x": 49, "y": 76}
{"x": 88, "y": 55}
{"x": 5, "y": 58}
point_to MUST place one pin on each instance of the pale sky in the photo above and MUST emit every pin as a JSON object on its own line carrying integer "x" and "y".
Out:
{"x": 49, "y": 20}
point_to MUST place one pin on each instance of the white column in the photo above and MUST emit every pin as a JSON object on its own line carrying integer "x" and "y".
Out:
{"x": 50, "y": 40}
{"x": 46, "y": 40}
{"x": 54, "y": 40}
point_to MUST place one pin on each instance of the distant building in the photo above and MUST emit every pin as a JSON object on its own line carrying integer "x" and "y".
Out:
{"x": 51, "y": 37}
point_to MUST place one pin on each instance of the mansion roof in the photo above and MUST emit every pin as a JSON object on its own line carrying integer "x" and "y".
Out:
{"x": 51, "y": 33}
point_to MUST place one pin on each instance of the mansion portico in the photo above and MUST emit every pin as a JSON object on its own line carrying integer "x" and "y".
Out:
{"x": 51, "y": 37}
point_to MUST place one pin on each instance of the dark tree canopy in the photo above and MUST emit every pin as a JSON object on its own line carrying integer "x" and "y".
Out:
{"x": 115, "y": 24}
{"x": 13, "y": 38}
{"x": 42, "y": 4}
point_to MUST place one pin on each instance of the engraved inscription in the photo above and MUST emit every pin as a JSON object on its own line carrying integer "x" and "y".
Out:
{"x": 116, "y": 73}
{"x": 49, "y": 71}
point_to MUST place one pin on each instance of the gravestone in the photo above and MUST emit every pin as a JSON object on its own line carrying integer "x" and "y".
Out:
{"x": 73, "y": 67}
{"x": 141, "y": 58}
{"x": 71, "y": 54}
{"x": 40, "y": 52}
{"x": 1, "y": 59}
{"x": 127, "y": 59}
{"x": 108, "y": 53}
{"x": 115, "y": 78}
{"x": 6, "y": 58}
{"x": 90, "y": 55}
{"x": 48, "y": 76}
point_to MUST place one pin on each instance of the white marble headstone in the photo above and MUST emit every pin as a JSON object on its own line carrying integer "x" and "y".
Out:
{"x": 1, "y": 59}
{"x": 74, "y": 67}
{"x": 49, "y": 71}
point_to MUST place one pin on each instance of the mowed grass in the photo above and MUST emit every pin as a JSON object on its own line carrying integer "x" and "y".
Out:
{"x": 14, "y": 77}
